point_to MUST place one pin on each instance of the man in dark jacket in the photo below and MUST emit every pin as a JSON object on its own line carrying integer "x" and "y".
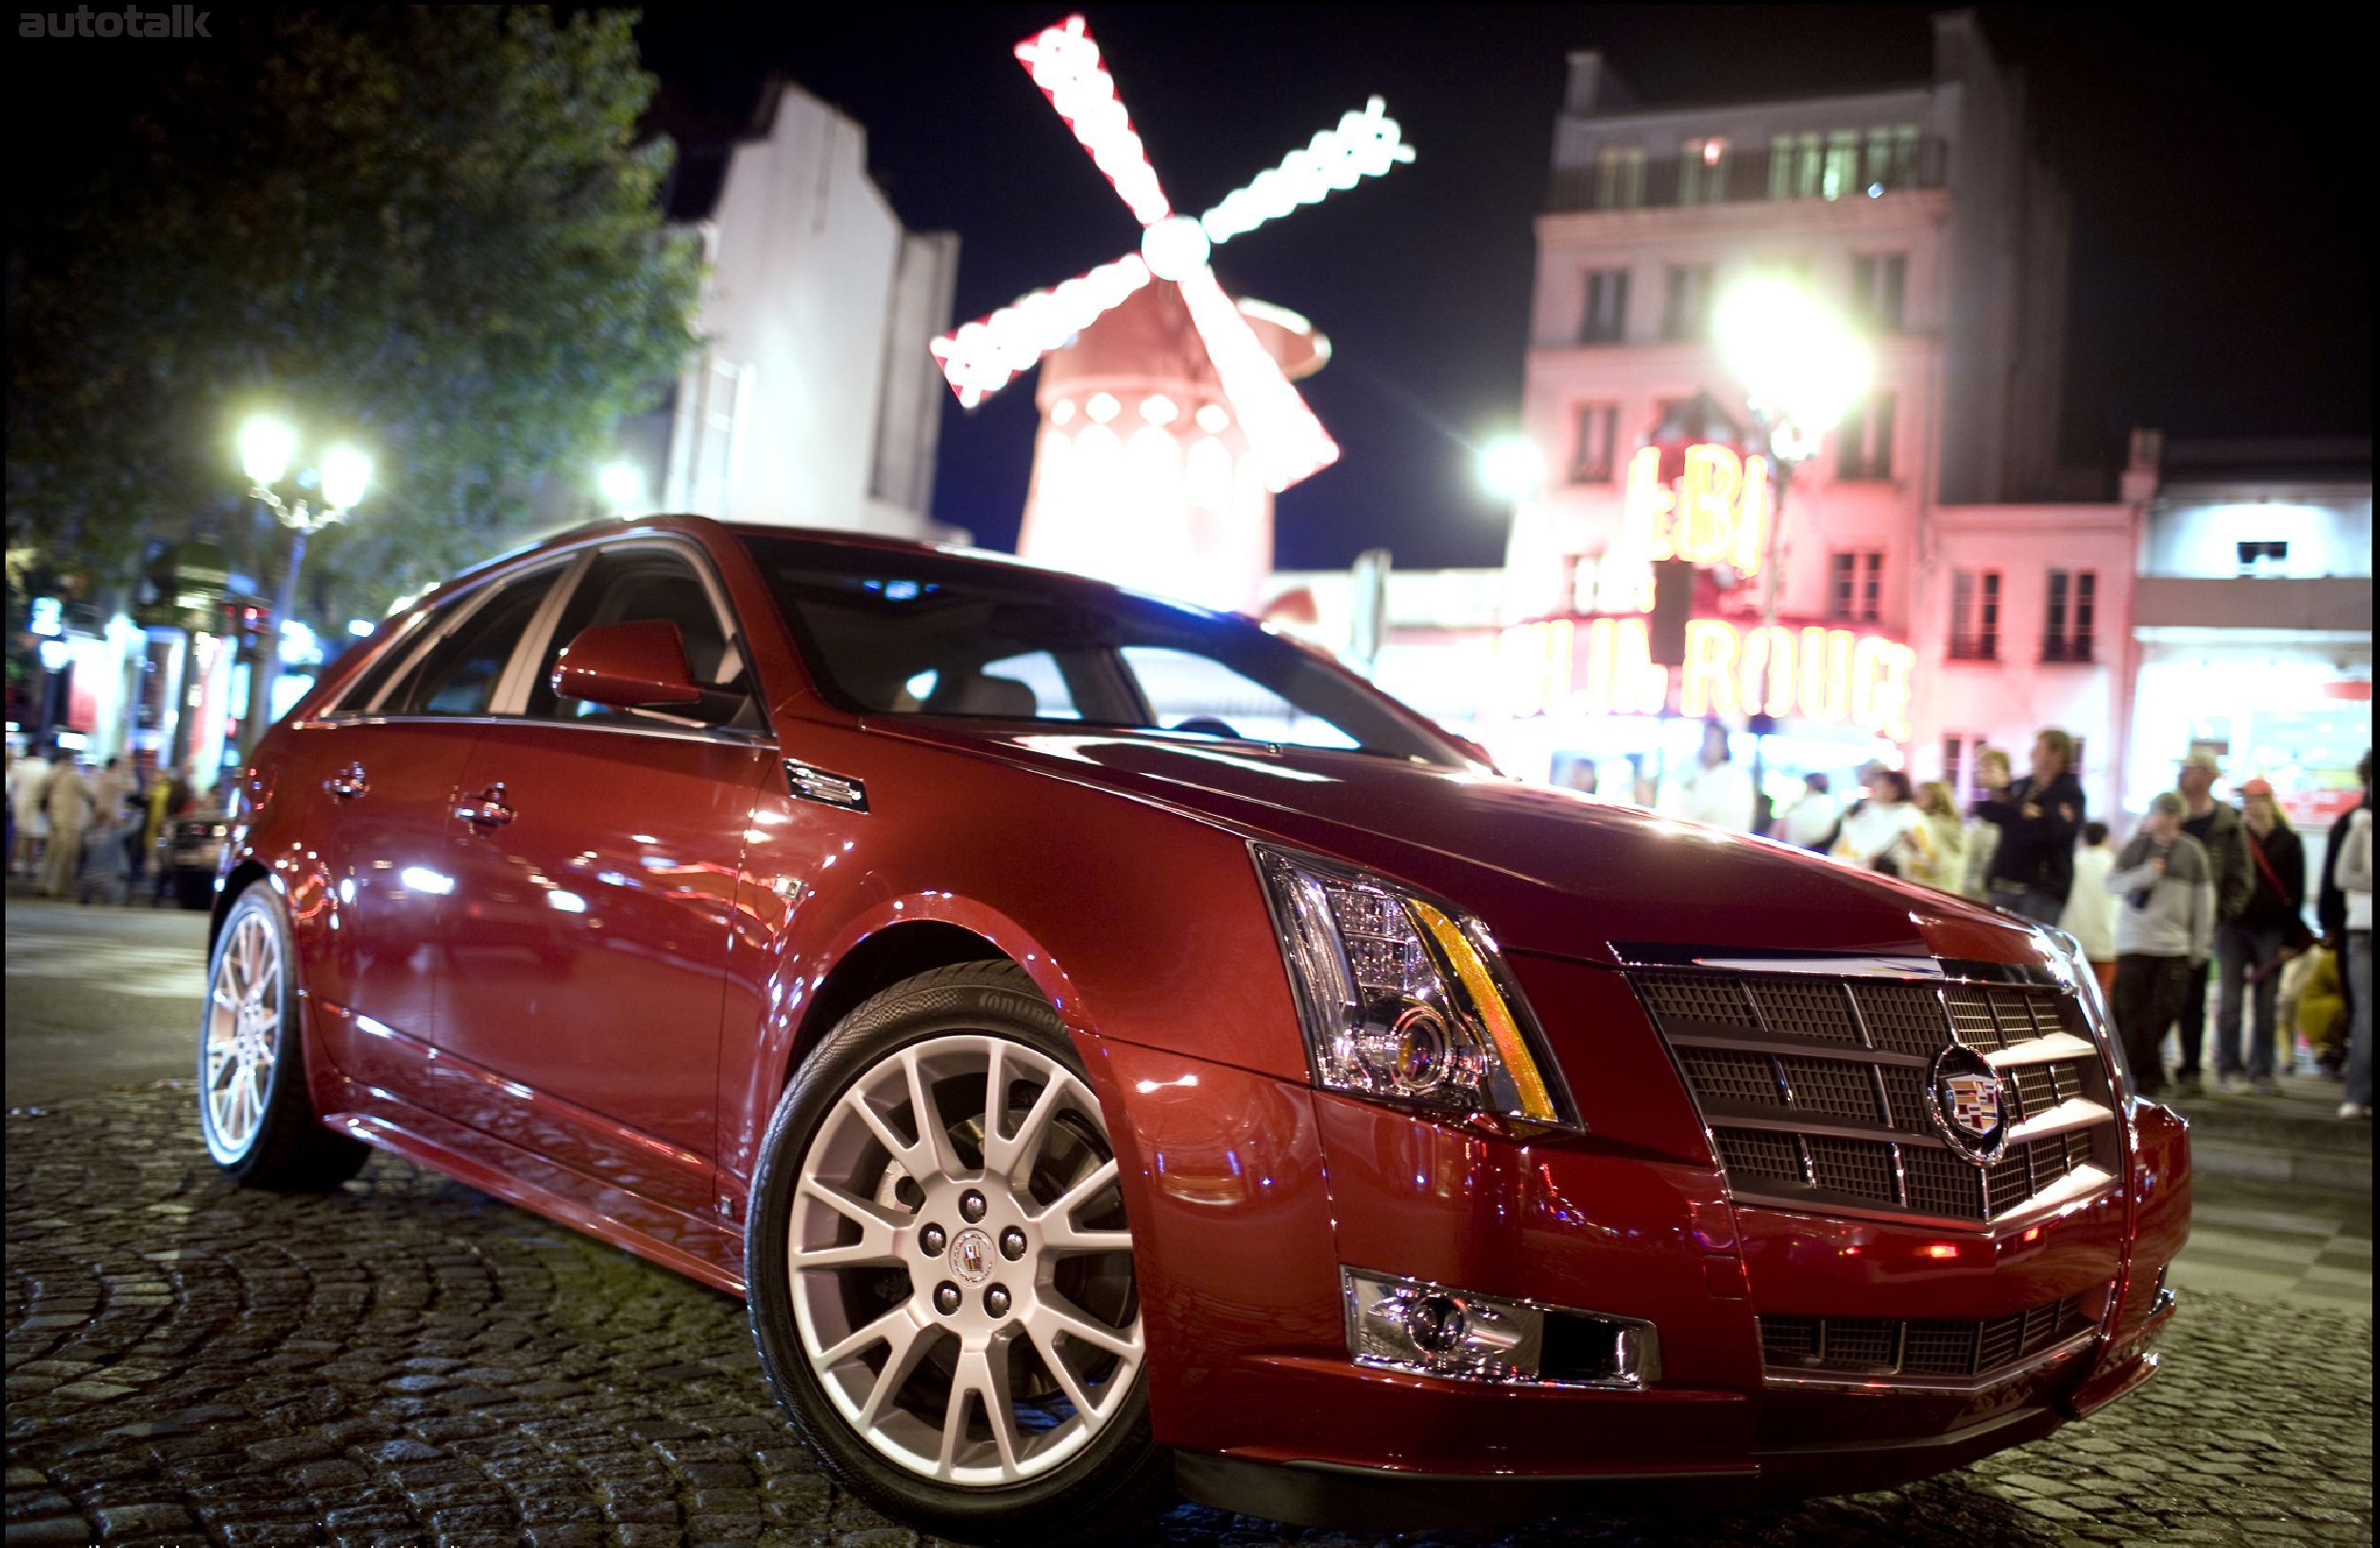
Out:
{"x": 2033, "y": 868}
{"x": 2251, "y": 949}
{"x": 2217, "y": 827}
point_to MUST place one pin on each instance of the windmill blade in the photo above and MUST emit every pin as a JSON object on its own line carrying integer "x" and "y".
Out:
{"x": 979, "y": 358}
{"x": 1288, "y": 443}
{"x": 1065, "y": 65}
{"x": 1363, "y": 144}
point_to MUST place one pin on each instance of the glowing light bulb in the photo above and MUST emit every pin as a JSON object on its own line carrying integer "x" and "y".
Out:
{"x": 1159, "y": 409}
{"x": 1213, "y": 418}
{"x": 1173, "y": 248}
{"x": 1062, "y": 412}
{"x": 1103, "y": 406}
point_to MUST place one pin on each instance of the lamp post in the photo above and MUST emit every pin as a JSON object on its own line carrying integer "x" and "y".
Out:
{"x": 267, "y": 448}
{"x": 1800, "y": 369}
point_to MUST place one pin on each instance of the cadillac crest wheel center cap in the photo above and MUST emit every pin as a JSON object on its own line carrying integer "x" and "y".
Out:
{"x": 971, "y": 1255}
{"x": 1967, "y": 1105}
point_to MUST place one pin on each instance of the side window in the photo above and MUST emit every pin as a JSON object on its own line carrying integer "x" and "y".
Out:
{"x": 460, "y": 673}
{"x": 1189, "y": 692}
{"x": 356, "y": 699}
{"x": 1027, "y": 687}
{"x": 637, "y": 585}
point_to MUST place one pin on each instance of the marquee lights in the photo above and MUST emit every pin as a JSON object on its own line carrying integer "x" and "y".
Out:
{"x": 1065, "y": 65}
{"x": 1364, "y": 145}
{"x": 1604, "y": 667}
{"x": 1285, "y": 440}
{"x": 1718, "y": 513}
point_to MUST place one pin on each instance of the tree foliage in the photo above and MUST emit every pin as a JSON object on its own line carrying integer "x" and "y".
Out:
{"x": 431, "y": 230}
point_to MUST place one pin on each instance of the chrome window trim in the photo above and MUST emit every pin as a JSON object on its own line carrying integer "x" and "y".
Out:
{"x": 400, "y": 643}
{"x": 721, "y": 735}
{"x": 1937, "y": 1386}
{"x": 512, "y": 688}
{"x": 460, "y": 612}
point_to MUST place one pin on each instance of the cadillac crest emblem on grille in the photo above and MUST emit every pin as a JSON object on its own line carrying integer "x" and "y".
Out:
{"x": 1968, "y": 1108}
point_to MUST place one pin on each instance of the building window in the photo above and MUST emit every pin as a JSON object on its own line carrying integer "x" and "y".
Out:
{"x": 2071, "y": 615}
{"x": 1863, "y": 444}
{"x": 2253, "y": 557}
{"x": 1954, "y": 765}
{"x": 1841, "y": 177}
{"x": 1891, "y": 159}
{"x": 1702, "y": 171}
{"x": 1855, "y": 586}
{"x": 1619, "y": 177}
{"x": 1975, "y": 615}
{"x": 1794, "y": 161}
{"x": 1607, "y": 306}
{"x": 1876, "y": 281}
{"x": 1591, "y": 451}
{"x": 1686, "y": 310}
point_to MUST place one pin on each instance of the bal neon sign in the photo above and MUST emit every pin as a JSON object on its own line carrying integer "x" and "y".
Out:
{"x": 1718, "y": 513}
{"x": 1604, "y": 667}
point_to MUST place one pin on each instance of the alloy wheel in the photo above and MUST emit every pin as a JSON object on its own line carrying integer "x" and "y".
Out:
{"x": 962, "y": 1276}
{"x": 243, "y": 1035}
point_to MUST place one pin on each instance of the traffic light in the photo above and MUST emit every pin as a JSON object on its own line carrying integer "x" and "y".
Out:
{"x": 1672, "y": 604}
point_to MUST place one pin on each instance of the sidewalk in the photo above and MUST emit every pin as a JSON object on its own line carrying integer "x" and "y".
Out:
{"x": 2294, "y": 1138}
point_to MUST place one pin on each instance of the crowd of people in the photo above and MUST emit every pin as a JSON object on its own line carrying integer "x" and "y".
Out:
{"x": 91, "y": 834}
{"x": 2201, "y": 894}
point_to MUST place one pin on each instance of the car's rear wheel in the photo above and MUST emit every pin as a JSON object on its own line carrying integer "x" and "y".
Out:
{"x": 253, "y": 1106}
{"x": 939, "y": 1272}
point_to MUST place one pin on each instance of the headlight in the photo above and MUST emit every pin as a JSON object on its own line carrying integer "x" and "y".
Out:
{"x": 1405, "y": 999}
{"x": 2067, "y": 960}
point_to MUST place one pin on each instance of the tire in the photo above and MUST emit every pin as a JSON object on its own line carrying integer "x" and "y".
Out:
{"x": 906, "y": 1286}
{"x": 253, "y": 1107}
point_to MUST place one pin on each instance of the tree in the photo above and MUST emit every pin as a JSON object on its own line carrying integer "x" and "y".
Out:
{"x": 430, "y": 230}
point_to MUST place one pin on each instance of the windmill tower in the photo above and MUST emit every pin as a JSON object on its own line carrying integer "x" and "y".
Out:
{"x": 1168, "y": 421}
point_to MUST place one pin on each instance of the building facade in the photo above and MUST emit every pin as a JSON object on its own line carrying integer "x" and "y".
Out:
{"x": 812, "y": 401}
{"x": 2251, "y": 630}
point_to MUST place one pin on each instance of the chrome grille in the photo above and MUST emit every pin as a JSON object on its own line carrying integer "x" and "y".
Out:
{"x": 1814, "y": 1087}
{"x": 1871, "y": 1346}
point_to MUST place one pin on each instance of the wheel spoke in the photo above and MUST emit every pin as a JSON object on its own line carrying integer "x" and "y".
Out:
{"x": 1046, "y": 1340}
{"x": 933, "y": 1138}
{"x": 1077, "y": 1323}
{"x": 981, "y": 1377}
{"x": 1004, "y": 1158}
{"x": 224, "y": 999}
{"x": 1061, "y": 1236}
{"x": 901, "y": 1150}
{"x": 852, "y": 1207}
{"x": 870, "y": 1251}
{"x": 221, "y": 1055}
{"x": 895, "y": 1327}
{"x": 1060, "y": 1215}
{"x": 906, "y": 1350}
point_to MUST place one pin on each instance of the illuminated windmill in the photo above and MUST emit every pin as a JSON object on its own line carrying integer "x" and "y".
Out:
{"x": 1168, "y": 420}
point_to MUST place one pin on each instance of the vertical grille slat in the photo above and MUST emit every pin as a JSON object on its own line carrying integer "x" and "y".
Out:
{"x": 1798, "y": 1053}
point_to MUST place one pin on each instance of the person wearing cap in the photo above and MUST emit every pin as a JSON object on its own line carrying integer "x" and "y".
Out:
{"x": 2163, "y": 889}
{"x": 2251, "y": 948}
{"x": 2219, "y": 832}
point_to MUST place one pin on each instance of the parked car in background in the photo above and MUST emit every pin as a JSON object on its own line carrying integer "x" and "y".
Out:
{"x": 1116, "y": 1050}
{"x": 189, "y": 847}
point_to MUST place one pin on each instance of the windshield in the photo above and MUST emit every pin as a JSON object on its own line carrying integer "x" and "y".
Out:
{"x": 890, "y": 633}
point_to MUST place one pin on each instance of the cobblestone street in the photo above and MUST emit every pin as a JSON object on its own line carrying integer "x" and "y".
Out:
{"x": 411, "y": 1361}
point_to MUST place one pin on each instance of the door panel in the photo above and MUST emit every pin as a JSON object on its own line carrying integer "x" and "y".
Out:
{"x": 587, "y": 939}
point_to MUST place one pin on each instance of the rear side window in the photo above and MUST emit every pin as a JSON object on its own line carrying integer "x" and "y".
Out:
{"x": 460, "y": 673}
{"x": 636, "y": 584}
{"x": 356, "y": 698}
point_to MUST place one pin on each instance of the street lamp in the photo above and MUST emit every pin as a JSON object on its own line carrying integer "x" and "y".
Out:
{"x": 1801, "y": 369}
{"x": 267, "y": 448}
{"x": 1511, "y": 467}
{"x": 621, "y": 485}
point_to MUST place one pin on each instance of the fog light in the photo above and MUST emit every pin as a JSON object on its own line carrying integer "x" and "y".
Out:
{"x": 1406, "y": 1325}
{"x": 1436, "y": 1330}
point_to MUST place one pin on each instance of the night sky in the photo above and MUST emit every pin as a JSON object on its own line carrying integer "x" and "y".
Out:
{"x": 2220, "y": 282}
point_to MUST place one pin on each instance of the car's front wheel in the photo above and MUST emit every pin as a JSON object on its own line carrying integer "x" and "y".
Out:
{"x": 939, "y": 1272}
{"x": 253, "y": 1106}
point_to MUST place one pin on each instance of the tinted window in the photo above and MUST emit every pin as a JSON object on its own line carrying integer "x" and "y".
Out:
{"x": 921, "y": 634}
{"x": 460, "y": 673}
{"x": 637, "y": 585}
{"x": 395, "y": 646}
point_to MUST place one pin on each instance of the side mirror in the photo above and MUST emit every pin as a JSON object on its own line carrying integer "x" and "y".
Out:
{"x": 632, "y": 665}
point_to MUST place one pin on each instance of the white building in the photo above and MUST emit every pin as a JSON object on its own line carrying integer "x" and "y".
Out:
{"x": 2252, "y": 620}
{"x": 813, "y": 401}
{"x": 1924, "y": 610}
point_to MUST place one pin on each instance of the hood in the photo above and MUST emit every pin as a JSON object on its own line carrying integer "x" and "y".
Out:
{"x": 1551, "y": 871}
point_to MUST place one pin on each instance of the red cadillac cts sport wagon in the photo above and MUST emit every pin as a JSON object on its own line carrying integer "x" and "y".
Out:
{"x": 1115, "y": 1051}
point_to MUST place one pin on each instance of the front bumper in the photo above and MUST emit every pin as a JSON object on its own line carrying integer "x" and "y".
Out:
{"x": 1250, "y": 1192}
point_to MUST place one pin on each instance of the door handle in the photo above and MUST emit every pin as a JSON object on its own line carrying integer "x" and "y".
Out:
{"x": 347, "y": 784}
{"x": 487, "y": 809}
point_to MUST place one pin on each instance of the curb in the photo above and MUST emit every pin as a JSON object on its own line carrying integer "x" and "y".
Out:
{"x": 2256, "y": 1163}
